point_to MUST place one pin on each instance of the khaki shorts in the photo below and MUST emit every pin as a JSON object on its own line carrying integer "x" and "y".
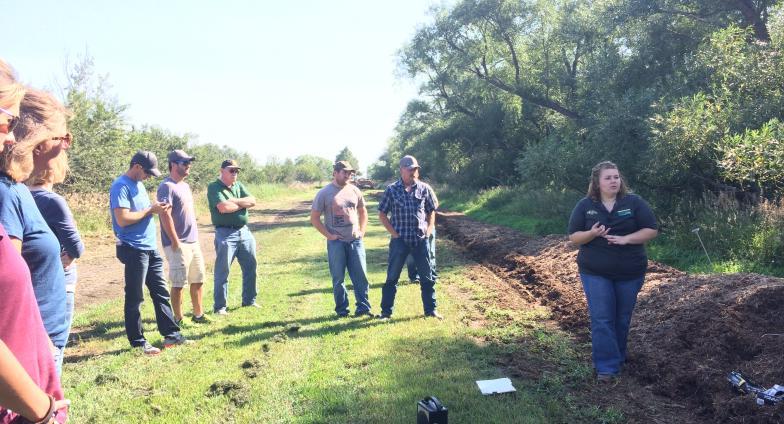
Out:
{"x": 186, "y": 265}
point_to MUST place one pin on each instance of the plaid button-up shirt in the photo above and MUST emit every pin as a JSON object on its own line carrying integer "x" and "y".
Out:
{"x": 409, "y": 209}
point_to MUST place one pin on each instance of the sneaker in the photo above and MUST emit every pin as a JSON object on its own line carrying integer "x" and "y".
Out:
{"x": 181, "y": 323}
{"x": 202, "y": 319}
{"x": 383, "y": 317}
{"x": 434, "y": 314}
{"x": 149, "y": 349}
{"x": 221, "y": 311}
{"x": 176, "y": 340}
{"x": 252, "y": 305}
{"x": 415, "y": 281}
{"x": 364, "y": 314}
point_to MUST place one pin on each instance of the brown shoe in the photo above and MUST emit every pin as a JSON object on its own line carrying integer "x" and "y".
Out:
{"x": 607, "y": 380}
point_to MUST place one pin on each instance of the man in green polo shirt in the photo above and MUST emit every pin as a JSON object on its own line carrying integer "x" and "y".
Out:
{"x": 229, "y": 202}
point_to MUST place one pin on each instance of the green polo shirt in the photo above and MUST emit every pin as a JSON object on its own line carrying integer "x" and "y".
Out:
{"x": 218, "y": 192}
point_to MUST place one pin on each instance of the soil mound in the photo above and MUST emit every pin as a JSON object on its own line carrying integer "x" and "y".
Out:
{"x": 688, "y": 331}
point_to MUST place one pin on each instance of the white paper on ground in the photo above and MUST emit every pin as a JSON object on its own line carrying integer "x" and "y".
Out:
{"x": 497, "y": 386}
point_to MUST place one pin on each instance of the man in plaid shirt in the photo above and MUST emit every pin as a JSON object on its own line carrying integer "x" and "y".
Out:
{"x": 413, "y": 207}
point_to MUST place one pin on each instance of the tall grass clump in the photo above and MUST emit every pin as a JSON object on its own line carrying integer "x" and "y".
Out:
{"x": 91, "y": 212}
{"x": 737, "y": 236}
{"x": 532, "y": 212}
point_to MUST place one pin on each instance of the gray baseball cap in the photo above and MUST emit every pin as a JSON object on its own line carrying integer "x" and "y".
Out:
{"x": 147, "y": 161}
{"x": 409, "y": 162}
{"x": 179, "y": 155}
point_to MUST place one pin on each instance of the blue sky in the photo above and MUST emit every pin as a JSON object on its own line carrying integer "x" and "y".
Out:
{"x": 274, "y": 78}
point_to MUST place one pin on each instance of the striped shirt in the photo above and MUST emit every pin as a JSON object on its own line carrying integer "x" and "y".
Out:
{"x": 410, "y": 209}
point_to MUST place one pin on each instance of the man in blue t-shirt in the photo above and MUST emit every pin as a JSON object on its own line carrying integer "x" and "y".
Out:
{"x": 134, "y": 228}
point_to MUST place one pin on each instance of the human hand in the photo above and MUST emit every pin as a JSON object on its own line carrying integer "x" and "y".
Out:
{"x": 159, "y": 207}
{"x": 58, "y": 405}
{"x": 332, "y": 237}
{"x": 66, "y": 259}
{"x": 618, "y": 240}
{"x": 598, "y": 230}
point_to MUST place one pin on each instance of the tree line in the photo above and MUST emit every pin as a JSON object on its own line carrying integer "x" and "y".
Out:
{"x": 105, "y": 142}
{"x": 684, "y": 96}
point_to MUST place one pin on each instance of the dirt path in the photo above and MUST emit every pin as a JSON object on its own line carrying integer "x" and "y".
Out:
{"x": 101, "y": 274}
{"x": 688, "y": 331}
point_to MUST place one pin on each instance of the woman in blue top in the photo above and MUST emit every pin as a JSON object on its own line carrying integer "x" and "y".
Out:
{"x": 611, "y": 226}
{"x": 30, "y": 234}
{"x": 50, "y": 165}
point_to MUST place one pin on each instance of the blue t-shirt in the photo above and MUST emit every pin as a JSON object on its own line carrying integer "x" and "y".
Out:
{"x": 129, "y": 194}
{"x": 41, "y": 251}
{"x": 58, "y": 216}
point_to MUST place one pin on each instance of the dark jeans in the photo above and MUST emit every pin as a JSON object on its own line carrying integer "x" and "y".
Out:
{"x": 145, "y": 267}
{"x": 611, "y": 304}
{"x": 398, "y": 251}
{"x": 413, "y": 274}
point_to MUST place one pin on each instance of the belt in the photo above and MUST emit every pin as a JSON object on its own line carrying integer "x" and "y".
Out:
{"x": 229, "y": 227}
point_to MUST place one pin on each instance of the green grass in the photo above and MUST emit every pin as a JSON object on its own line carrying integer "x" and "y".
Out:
{"x": 330, "y": 370}
{"x": 537, "y": 213}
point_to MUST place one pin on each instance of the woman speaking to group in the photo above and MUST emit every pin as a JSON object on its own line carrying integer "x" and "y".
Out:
{"x": 611, "y": 226}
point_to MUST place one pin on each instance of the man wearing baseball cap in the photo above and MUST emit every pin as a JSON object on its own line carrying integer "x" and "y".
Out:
{"x": 345, "y": 220}
{"x": 180, "y": 237}
{"x": 134, "y": 228}
{"x": 229, "y": 202}
{"x": 413, "y": 205}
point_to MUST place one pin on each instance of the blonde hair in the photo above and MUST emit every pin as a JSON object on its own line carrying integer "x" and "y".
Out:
{"x": 40, "y": 113}
{"x": 596, "y": 172}
{"x": 17, "y": 159}
{"x": 10, "y": 90}
{"x": 40, "y": 108}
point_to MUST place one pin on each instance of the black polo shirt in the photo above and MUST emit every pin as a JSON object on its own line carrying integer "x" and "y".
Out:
{"x": 615, "y": 262}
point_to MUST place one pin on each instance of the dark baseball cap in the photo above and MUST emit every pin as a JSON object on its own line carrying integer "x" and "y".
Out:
{"x": 179, "y": 155}
{"x": 409, "y": 162}
{"x": 230, "y": 163}
{"x": 343, "y": 165}
{"x": 147, "y": 161}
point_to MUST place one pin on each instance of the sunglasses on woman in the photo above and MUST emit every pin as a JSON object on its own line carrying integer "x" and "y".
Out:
{"x": 10, "y": 124}
{"x": 67, "y": 138}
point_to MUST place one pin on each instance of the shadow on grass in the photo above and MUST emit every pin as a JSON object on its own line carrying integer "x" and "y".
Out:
{"x": 415, "y": 366}
{"x": 328, "y": 290}
{"x": 75, "y": 359}
{"x": 339, "y": 325}
{"x": 102, "y": 331}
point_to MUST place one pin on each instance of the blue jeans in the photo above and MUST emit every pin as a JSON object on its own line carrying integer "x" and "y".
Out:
{"x": 233, "y": 243}
{"x": 60, "y": 352}
{"x": 145, "y": 267}
{"x": 398, "y": 251}
{"x": 611, "y": 303}
{"x": 349, "y": 256}
{"x": 413, "y": 275}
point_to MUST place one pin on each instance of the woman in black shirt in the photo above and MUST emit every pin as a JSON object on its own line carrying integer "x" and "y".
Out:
{"x": 611, "y": 226}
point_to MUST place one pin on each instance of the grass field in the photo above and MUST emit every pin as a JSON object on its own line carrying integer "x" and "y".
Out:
{"x": 293, "y": 361}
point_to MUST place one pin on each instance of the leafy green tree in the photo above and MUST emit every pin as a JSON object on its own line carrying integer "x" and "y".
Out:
{"x": 347, "y": 155}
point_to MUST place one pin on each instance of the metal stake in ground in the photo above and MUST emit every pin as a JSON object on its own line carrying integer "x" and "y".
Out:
{"x": 696, "y": 231}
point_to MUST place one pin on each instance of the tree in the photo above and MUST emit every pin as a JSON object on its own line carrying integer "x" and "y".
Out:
{"x": 346, "y": 155}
